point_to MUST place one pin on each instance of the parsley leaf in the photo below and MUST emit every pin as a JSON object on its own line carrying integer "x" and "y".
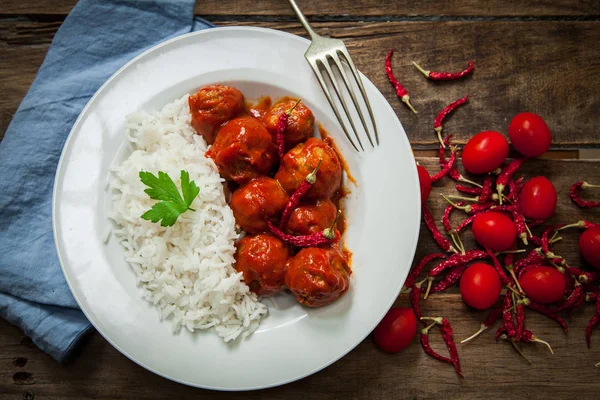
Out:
{"x": 172, "y": 205}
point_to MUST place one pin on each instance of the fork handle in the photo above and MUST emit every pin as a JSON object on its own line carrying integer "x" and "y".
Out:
{"x": 303, "y": 19}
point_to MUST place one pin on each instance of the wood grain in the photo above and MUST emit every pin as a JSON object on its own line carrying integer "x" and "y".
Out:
{"x": 520, "y": 66}
{"x": 346, "y": 8}
{"x": 492, "y": 370}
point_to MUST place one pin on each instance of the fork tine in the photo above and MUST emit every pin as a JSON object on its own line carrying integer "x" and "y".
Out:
{"x": 340, "y": 67}
{"x": 346, "y": 56}
{"x": 317, "y": 72}
{"x": 338, "y": 92}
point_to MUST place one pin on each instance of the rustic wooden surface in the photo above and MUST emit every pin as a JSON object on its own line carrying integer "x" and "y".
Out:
{"x": 541, "y": 56}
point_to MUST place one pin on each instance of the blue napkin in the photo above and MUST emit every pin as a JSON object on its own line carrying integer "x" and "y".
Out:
{"x": 95, "y": 40}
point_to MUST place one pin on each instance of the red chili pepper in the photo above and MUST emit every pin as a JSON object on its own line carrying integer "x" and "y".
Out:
{"x": 520, "y": 314}
{"x": 414, "y": 297}
{"x": 450, "y": 279}
{"x": 588, "y": 277}
{"x": 312, "y": 240}
{"x": 437, "y": 123}
{"x": 528, "y": 337}
{"x": 574, "y": 300}
{"x": 590, "y": 327}
{"x": 416, "y": 271}
{"x": 507, "y": 316}
{"x": 469, "y": 190}
{"x": 427, "y": 347}
{"x": 446, "y": 168}
{"x": 486, "y": 192}
{"x": 445, "y": 76}
{"x": 437, "y": 235}
{"x": 533, "y": 258}
{"x": 400, "y": 91}
{"x": 519, "y": 221}
{"x": 446, "y": 218}
{"x": 506, "y": 174}
{"x": 580, "y": 224}
{"x": 535, "y": 240}
{"x": 491, "y": 319}
{"x": 576, "y": 189}
{"x": 297, "y": 196}
{"x": 446, "y": 331}
{"x": 456, "y": 259}
{"x": 546, "y": 237}
{"x": 471, "y": 208}
{"x": 503, "y": 277}
{"x": 542, "y": 309}
{"x": 453, "y": 173}
{"x": 465, "y": 223}
{"x": 280, "y": 128}
{"x": 501, "y": 331}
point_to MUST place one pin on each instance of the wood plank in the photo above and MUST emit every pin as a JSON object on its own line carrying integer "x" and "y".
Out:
{"x": 492, "y": 370}
{"x": 546, "y": 67}
{"x": 346, "y": 8}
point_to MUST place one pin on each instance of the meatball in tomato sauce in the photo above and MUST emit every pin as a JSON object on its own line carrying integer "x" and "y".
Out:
{"x": 212, "y": 106}
{"x": 311, "y": 218}
{"x": 302, "y": 160}
{"x": 317, "y": 276}
{"x": 261, "y": 198}
{"x": 243, "y": 150}
{"x": 300, "y": 126}
{"x": 262, "y": 259}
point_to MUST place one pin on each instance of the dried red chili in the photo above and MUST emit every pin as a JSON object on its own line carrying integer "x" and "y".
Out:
{"x": 546, "y": 237}
{"x": 593, "y": 322}
{"x": 519, "y": 220}
{"x": 456, "y": 259}
{"x": 449, "y": 340}
{"x": 445, "y": 76}
{"x": 400, "y": 90}
{"x": 574, "y": 300}
{"x": 437, "y": 235}
{"x": 282, "y": 123}
{"x": 534, "y": 257}
{"x": 520, "y": 314}
{"x": 450, "y": 279}
{"x": 491, "y": 319}
{"x": 500, "y": 332}
{"x": 453, "y": 173}
{"x": 316, "y": 239}
{"x": 580, "y": 224}
{"x": 469, "y": 190}
{"x": 542, "y": 309}
{"x": 576, "y": 189}
{"x": 414, "y": 297}
{"x": 416, "y": 271}
{"x": 427, "y": 347}
{"x": 299, "y": 193}
{"x": 446, "y": 168}
{"x": 470, "y": 208}
{"x": 503, "y": 277}
{"x": 506, "y": 174}
{"x": 486, "y": 192}
{"x": 588, "y": 277}
{"x": 507, "y": 317}
{"x": 439, "y": 119}
{"x": 528, "y": 337}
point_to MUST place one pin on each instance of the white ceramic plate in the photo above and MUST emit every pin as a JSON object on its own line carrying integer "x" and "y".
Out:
{"x": 383, "y": 214}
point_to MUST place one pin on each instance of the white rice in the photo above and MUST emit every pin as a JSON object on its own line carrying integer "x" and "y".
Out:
{"x": 184, "y": 270}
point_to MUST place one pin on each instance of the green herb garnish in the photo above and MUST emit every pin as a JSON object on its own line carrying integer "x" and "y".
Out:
{"x": 172, "y": 205}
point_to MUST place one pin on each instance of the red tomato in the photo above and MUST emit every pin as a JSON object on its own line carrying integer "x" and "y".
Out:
{"x": 396, "y": 330}
{"x": 485, "y": 152}
{"x": 529, "y": 134}
{"x": 538, "y": 198}
{"x": 589, "y": 246}
{"x": 480, "y": 286}
{"x": 543, "y": 284}
{"x": 425, "y": 182}
{"x": 494, "y": 231}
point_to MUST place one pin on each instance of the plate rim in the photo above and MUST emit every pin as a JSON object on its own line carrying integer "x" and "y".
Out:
{"x": 59, "y": 168}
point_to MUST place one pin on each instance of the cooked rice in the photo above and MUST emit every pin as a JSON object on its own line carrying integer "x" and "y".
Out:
{"x": 185, "y": 270}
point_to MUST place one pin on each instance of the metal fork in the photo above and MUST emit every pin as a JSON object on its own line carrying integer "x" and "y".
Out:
{"x": 322, "y": 54}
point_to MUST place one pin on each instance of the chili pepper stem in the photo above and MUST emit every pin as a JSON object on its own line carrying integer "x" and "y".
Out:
{"x": 329, "y": 233}
{"x": 425, "y": 331}
{"x": 465, "y": 180}
{"x": 473, "y": 199}
{"x": 514, "y": 344}
{"x": 438, "y": 130}
{"x": 421, "y": 70}
{"x": 436, "y": 320}
{"x": 406, "y": 100}
{"x": 312, "y": 177}
{"x": 289, "y": 112}
{"x": 586, "y": 185}
{"x": 537, "y": 340}
{"x": 482, "y": 328}
{"x": 429, "y": 283}
{"x": 578, "y": 224}
{"x": 511, "y": 252}
{"x": 511, "y": 271}
{"x": 464, "y": 208}
{"x": 597, "y": 364}
{"x": 457, "y": 242}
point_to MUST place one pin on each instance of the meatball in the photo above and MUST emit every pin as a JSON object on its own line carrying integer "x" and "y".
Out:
{"x": 300, "y": 126}
{"x": 260, "y": 198}
{"x": 212, "y": 106}
{"x": 262, "y": 259}
{"x": 312, "y": 218}
{"x": 317, "y": 276}
{"x": 243, "y": 150}
{"x": 302, "y": 160}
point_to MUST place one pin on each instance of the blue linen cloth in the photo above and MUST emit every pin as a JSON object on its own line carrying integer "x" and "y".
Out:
{"x": 95, "y": 40}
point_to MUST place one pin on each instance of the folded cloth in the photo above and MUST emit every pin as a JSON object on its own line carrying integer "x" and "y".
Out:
{"x": 95, "y": 40}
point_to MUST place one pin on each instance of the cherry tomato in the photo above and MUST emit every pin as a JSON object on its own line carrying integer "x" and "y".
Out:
{"x": 589, "y": 246}
{"x": 396, "y": 330}
{"x": 494, "y": 231}
{"x": 425, "y": 182}
{"x": 543, "y": 284}
{"x": 485, "y": 152}
{"x": 480, "y": 286}
{"x": 538, "y": 198}
{"x": 529, "y": 134}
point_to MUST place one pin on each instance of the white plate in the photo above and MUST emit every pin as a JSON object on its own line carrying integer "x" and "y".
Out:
{"x": 293, "y": 342}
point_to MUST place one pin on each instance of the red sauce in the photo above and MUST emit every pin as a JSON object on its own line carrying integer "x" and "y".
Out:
{"x": 260, "y": 108}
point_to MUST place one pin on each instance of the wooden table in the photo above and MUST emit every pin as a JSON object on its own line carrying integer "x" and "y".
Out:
{"x": 538, "y": 56}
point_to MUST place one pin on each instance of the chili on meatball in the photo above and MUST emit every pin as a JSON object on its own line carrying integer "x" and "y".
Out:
{"x": 311, "y": 218}
{"x": 243, "y": 150}
{"x": 302, "y": 160}
{"x": 317, "y": 276}
{"x": 300, "y": 126}
{"x": 212, "y": 106}
{"x": 260, "y": 198}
